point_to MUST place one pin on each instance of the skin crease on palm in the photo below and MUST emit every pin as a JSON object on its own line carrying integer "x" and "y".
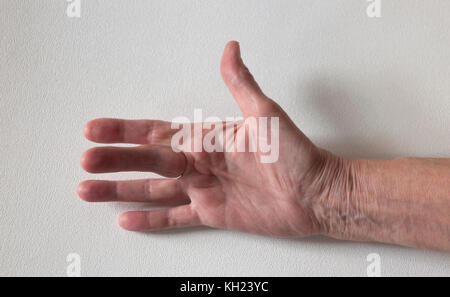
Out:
{"x": 307, "y": 191}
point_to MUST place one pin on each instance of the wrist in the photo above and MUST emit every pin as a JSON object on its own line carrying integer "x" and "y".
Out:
{"x": 341, "y": 205}
{"x": 390, "y": 201}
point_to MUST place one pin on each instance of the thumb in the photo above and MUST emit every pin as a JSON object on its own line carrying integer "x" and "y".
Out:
{"x": 240, "y": 81}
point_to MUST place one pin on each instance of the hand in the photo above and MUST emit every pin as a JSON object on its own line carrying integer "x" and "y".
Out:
{"x": 229, "y": 190}
{"x": 306, "y": 191}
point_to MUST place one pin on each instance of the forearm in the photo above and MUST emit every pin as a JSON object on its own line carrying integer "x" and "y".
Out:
{"x": 402, "y": 201}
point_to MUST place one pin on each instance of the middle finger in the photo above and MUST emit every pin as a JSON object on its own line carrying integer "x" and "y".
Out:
{"x": 158, "y": 159}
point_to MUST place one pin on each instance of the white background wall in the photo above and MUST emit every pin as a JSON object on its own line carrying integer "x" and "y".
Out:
{"x": 360, "y": 87}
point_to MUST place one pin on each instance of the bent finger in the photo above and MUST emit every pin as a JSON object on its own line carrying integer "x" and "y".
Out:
{"x": 160, "y": 191}
{"x": 107, "y": 130}
{"x": 158, "y": 159}
{"x": 177, "y": 217}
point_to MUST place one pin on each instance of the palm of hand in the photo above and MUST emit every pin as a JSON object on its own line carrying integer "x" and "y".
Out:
{"x": 236, "y": 191}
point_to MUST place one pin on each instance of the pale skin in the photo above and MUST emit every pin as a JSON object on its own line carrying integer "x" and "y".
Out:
{"x": 308, "y": 191}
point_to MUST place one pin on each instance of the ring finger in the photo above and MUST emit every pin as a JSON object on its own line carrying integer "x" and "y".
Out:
{"x": 159, "y": 191}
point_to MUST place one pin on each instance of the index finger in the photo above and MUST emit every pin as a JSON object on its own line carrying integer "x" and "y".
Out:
{"x": 106, "y": 130}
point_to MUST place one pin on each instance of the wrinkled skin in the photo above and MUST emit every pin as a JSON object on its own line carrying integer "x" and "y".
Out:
{"x": 231, "y": 190}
